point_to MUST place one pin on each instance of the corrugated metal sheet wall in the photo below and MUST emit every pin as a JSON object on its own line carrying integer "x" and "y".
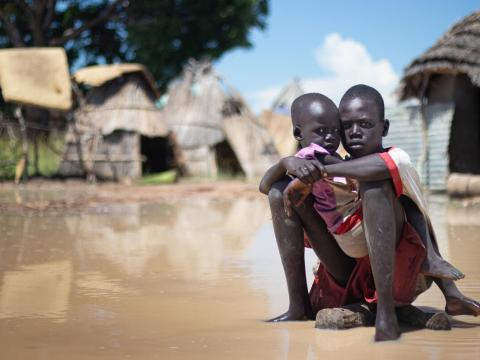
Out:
{"x": 406, "y": 133}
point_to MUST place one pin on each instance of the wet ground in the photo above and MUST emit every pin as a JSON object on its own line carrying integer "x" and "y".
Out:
{"x": 183, "y": 274}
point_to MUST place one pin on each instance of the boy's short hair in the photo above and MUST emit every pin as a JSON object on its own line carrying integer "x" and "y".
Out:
{"x": 365, "y": 92}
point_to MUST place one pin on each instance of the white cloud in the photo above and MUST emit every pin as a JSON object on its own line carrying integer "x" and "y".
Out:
{"x": 347, "y": 62}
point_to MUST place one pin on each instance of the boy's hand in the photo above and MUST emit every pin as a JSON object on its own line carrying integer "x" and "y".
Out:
{"x": 295, "y": 193}
{"x": 308, "y": 171}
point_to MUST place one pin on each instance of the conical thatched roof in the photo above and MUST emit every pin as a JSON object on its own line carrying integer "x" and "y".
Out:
{"x": 456, "y": 52}
{"x": 203, "y": 110}
{"x": 196, "y": 104}
{"x": 281, "y": 104}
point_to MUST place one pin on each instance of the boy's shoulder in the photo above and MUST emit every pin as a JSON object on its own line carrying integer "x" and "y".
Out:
{"x": 399, "y": 156}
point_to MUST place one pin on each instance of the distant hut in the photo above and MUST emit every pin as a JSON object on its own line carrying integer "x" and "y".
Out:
{"x": 446, "y": 80}
{"x": 281, "y": 104}
{"x": 214, "y": 127}
{"x": 277, "y": 119}
{"x": 117, "y": 133}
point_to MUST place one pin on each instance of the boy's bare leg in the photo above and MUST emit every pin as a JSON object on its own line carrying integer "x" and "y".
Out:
{"x": 457, "y": 303}
{"x": 289, "y": 236}
{"x": 434, "y": 265}
{"x": 383, "y": 223}
{"x": 338, "y": 264}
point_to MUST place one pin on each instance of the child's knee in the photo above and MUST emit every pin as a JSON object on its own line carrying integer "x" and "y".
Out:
{"x": 275, "y": 197}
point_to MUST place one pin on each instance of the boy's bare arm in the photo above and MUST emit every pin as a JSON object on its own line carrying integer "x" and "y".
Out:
{"x": 330, "y": 159}
{"x": 367, "y": 168}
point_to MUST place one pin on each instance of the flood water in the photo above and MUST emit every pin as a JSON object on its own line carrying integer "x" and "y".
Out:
{"x": 192, "y": 278}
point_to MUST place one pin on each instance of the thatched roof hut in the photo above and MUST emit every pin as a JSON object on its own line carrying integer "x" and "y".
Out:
{"x": 214, "y": 127}
{"x": 456, "y": 52}
{"x": 449, "y": 73}
{"x": 117, "y": 132}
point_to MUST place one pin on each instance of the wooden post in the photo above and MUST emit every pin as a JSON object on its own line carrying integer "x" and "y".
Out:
{"x": 36, "y": 167}
{"x": 425, "y": 154}
{"x": 22, "y": 167}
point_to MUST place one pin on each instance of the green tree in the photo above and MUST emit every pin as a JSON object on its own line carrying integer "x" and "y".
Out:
{"x": 162, "y": 34}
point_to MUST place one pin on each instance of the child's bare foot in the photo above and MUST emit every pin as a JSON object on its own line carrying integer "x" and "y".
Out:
{"x": 292, "y": 316}
{"x": 462, "y": 306}
{"x": 386, "y": 328}
{"x": 437, "y": 267}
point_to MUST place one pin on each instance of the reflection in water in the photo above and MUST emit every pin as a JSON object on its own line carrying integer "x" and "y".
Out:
{"x": 188, "y": 279}
{"x": 40, "y": 290}
{"x": 192, "y": 237}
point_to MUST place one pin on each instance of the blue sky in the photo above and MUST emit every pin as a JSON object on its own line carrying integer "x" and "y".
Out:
{"x": 330, "y": 45}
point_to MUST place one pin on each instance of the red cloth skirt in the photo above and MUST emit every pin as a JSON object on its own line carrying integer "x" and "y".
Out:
{"x": 409, "y": 257}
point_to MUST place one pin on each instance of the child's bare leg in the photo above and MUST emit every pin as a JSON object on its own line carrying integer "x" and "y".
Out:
{"x": 289, "y": 236}
{"x": 433, "y": 265}
{"x": 383, "y": 223}
{"x": 457, "y": 303}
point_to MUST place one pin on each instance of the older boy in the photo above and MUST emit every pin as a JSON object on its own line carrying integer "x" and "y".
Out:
{"x": 376, "y": 185}
{"x": 388, "y": 186}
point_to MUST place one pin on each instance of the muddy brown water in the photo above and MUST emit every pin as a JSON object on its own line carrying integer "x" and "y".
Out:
{"x": 192, "y": 278}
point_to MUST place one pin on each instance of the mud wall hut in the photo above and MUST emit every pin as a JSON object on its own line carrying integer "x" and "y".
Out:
{"x": 117, "y": 133}
{"x": 214, "y": 127}
{"x": 449, "y": 73}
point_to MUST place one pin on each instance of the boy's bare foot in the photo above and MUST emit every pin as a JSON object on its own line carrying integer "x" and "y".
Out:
{"x": 386, "y": 328}
{"x": 462, "y": 306}
{"x": 292, "y": 316}
{"x": 437, "y": 267}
